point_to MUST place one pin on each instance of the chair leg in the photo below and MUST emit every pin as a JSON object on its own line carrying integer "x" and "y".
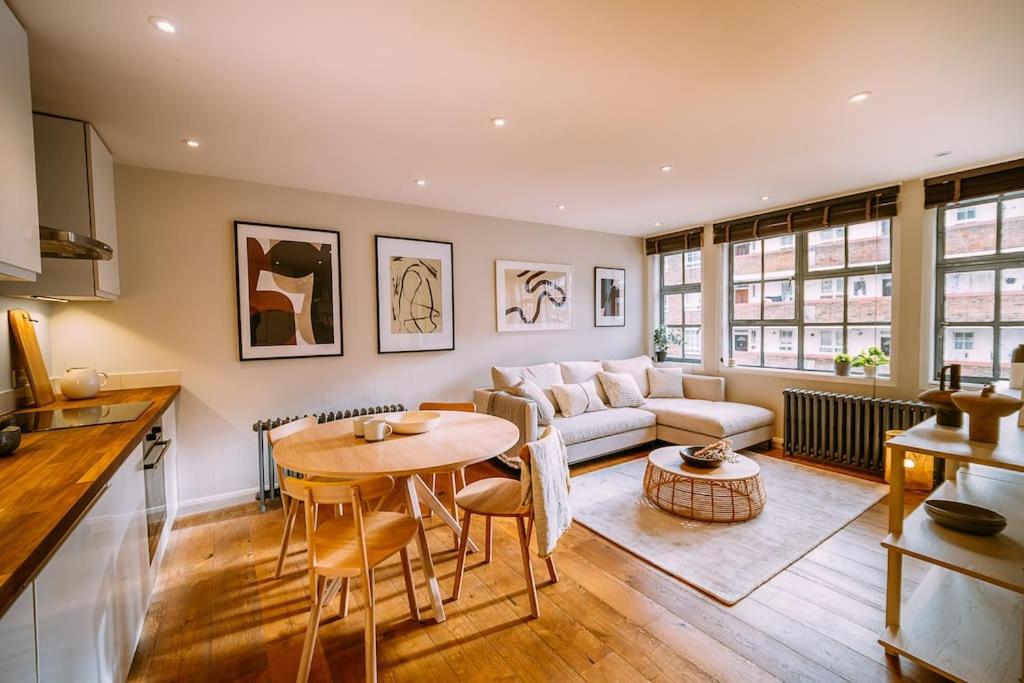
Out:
{"x": 487, "y": 539}
{"x": 531, "y": 585}
{"x": 410, "y": 586}
{"x": 433, "y": 489}
{"x": 289, "y": 524}
{"x": 452, "y": 507}
{"x": 461, "y": 473}
{"x": 460, "y": 566}
{"x": 552, "y": 572}
{"x": 311, "y": 633}
{"x": 343, "y": 601}
{"x": 370, "y": 640}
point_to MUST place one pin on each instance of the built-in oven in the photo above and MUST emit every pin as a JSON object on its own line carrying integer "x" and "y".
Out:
{"x": 154, "y": 449}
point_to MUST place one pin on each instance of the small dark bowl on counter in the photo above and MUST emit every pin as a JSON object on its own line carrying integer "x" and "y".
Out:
{"x": 10, "y": 439}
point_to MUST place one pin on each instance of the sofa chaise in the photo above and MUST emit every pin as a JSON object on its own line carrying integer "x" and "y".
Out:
{"x": 702, "y": 416}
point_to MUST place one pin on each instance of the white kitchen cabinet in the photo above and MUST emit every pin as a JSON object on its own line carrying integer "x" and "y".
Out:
{"x": 19, "y": 219}
{"x": 18, "y": 641}
{"x": 91, "y": 596}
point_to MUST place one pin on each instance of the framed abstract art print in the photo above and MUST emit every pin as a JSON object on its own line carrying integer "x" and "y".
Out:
{"x": 609, "y": 297}
{"x": 415, "y": 295}
{"x": 533, "y": 297}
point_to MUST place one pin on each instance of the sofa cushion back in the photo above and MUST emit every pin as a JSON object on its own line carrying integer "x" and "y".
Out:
{"x": 580, "y": 371}
{"x": 544, "y": 375}
{"x": 637, "y": 367}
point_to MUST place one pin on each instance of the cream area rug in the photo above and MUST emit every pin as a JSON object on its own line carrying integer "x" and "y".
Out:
{"x": 804, "y": 507}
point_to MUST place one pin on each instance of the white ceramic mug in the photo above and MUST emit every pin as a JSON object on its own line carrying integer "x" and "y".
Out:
{"x": 376, "y": 429}
{"x": 79, "y": 383}
{"x": 359, "y": 424}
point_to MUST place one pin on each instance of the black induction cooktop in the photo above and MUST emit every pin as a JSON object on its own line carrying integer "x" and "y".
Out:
{"x": 87, "y": 416}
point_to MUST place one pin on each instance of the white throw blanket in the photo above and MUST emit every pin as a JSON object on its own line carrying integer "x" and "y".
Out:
{"x": 544, "y": 484}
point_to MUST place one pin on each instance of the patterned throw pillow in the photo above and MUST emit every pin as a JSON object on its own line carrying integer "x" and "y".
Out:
{"x": 622, "y": 389}
{"x": 529, "y": 389}
{"x": 576, "y": 399}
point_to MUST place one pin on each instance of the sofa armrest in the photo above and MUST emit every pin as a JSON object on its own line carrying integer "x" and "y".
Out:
{"x": 519, "y": 411}
{"x": 704, "y": 387}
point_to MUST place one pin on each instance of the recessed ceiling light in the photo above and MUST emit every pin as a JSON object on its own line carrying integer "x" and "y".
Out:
{"x": 165, "y": 25}
{"x": 561, "y": 207}
{"x": 944, "y": 153}
{"x": 499, "y": 121}
{"x": 765, "y": 197}
{"x": 421, "y": 182}
{"x": 859, "y": 97}
{"x": 191, "y": 142}
{"x": 657, "y": 224}
{"x": 665, "y": 168}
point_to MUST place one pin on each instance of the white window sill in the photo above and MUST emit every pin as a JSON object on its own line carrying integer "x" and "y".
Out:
{"x": 806, "y": 376}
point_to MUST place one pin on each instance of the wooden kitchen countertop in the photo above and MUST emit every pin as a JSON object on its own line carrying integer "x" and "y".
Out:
{"x": 53, "y": 476}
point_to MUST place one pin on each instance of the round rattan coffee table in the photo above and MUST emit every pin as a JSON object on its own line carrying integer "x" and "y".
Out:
{"x": 732, "y": 492}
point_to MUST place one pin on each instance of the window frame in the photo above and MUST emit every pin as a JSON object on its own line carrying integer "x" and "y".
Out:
{"x": 682, "y": 289}
{"x": 801, "y": 275}
{"x": 997, "y": 263}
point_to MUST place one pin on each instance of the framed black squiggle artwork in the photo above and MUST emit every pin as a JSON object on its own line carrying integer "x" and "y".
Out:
{"x": 533, "y": 297}
{"x": 415, "y": 295}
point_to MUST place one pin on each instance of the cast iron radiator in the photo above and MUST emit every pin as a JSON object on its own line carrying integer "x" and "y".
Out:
{"x": 270, "y": 488}
{"x": 845, "y": 430}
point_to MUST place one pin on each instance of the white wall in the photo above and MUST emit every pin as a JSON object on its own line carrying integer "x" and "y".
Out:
{"x": 177, "y": 310}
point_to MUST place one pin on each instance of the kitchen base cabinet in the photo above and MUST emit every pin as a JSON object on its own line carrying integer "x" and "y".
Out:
{"x": 91, "y": 595}
{"x": 18, "y": 641}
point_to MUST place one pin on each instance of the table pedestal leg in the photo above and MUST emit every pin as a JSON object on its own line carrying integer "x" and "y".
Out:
{"x": 409, "y": 485}
{"x": 431, "y": 501}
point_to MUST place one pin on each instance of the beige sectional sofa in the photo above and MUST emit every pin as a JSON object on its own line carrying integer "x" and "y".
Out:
{"x": 702, "y": 416}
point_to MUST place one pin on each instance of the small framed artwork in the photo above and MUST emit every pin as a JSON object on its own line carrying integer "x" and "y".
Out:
{"x": 609, "y": 297}
{"x": 415, "y": 295}
{"x": 288, "y": 282}
{"x": 533, "y": 297}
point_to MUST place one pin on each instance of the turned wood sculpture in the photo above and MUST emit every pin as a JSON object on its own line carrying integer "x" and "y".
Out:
{"x": 985, "y": 408}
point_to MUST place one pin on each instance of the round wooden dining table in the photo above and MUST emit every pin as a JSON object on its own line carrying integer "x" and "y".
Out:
{"x": 332, "y": 449}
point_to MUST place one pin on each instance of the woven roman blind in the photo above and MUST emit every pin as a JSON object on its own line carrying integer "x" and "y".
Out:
{"x": 977, "y": 182}
{"x": 854, "y": 208}
{"x": 691, "y": 238}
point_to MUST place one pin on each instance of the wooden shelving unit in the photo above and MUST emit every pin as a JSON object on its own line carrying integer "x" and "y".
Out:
{"x": 965, "y": 621}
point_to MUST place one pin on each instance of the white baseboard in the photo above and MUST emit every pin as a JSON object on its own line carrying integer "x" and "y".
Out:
{"x": 221, "y": 500}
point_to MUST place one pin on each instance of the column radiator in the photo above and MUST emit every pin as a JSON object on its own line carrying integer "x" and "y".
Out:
{"x": 845, "y": 430}
{"x": 270, "y": 488}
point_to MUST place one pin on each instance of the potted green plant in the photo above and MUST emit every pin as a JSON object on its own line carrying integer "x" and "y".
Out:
{"x": 870, "y": 359}
{"x": 663, "y": 338}
{"x": 843, "y": 363}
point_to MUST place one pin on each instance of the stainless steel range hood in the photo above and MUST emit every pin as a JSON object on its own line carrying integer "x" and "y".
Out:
{"x": 72, "y": 245}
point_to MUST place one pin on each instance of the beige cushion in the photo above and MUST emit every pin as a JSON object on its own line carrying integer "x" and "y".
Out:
{"x": 714, "y": 418}
{"x": 576, "y": 399}
{"x": 589, "y": 426}
{"x": 665, "y": 382}
{"x": 637, "y": 367}
{"x": 579, "y": 371}
{"x": 527, "y": 388}
{"x": 621, "y": 389}
{"x": 544, "y": 374}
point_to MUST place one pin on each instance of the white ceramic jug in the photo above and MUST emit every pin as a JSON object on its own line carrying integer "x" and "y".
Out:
{"x": 82, "y": 382}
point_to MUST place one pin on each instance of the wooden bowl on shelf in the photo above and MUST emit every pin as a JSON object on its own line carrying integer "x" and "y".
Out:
{"x": 413, "y": 421}
{"x": 970, "y": 519}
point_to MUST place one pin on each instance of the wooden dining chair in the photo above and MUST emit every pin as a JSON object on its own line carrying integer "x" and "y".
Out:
{"x": 456, "y": 478}
{"x": 292, "y": 495}
{"x": 354, "y": 545}
{"x": 500, "y": 497}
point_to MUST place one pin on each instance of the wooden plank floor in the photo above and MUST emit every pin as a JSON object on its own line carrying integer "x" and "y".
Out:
{"x": 219, "y": 614}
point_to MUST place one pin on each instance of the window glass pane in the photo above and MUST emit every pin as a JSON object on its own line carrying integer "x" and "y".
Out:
{"x": 675, "y": 342}
{"x": 825, "y": 249}
{"x": 1013, "y": 225}
{"x": 780, "y": 256}
{"x": 692, "y": 267}
{"x": 673, "y": 311}
{"x": 821, "y": 344}
{"x": 823, "y": 300}
{"x": 970, "y": 296}
{"x": 746, "y": 261}
{"x": 970, "y": 230}
{"x": 692, "y": 308}
{"x": 861, "y": 338}
{"x": 746, "y": 345}
{"x": 868, "y": 243}
{"x": 691, "y": 343}
{"x": 1011, "y": 294}
{"x": 747, "y": 301}
{"x": 870, "y": 298}
{"x": 1009, "y": 338}
{"x": 672, "y": 270}
{"x": 780, "y": 347}
{"x": 778, "y": 301}
{"x": 971, "y": 347}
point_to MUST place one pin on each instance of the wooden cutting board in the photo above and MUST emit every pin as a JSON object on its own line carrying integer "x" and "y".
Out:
{"x": 23, "y": 332}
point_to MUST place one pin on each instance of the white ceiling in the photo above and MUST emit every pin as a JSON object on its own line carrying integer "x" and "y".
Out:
{"x": 360, "y": 98}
